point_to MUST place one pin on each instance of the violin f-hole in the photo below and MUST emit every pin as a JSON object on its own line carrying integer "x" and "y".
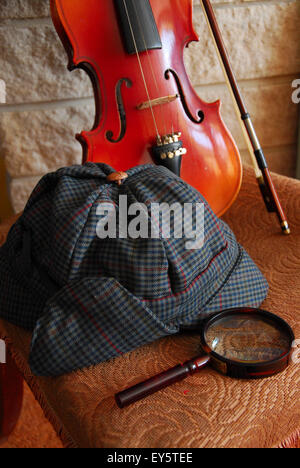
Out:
{"x": 183, "y": 99}
{"x": 121, "y": 111}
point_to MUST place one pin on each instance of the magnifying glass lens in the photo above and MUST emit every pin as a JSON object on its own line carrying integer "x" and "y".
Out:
{"x": 247, "y": 337}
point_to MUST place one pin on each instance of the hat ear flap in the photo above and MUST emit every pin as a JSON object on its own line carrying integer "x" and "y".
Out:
{"x": 90, "y": 321}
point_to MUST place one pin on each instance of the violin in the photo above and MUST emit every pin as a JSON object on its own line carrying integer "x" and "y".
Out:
{"x": 146, "y": 108}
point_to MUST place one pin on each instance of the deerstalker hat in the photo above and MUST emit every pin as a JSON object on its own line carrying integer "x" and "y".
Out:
{"x": 88, "y": 298}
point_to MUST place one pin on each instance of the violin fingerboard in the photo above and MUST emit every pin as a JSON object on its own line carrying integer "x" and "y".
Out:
{"x": 137, "y": 25}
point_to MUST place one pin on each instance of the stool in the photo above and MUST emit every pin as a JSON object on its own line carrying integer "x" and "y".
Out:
{"x": 207, "y": 409}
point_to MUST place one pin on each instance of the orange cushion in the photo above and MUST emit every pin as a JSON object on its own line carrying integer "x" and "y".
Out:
{"x": 207, "y": 409}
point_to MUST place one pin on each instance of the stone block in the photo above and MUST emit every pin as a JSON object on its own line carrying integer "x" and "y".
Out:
{"x": 40, "y": 141}
{"x": 269, "y": 103}
{"x": 33, "y": 64}
{"x": 262, "y": 41}
{"x": 10, "y": 9}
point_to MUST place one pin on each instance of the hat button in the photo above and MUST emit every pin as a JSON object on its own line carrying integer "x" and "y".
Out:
{"x": 117, "y": 177}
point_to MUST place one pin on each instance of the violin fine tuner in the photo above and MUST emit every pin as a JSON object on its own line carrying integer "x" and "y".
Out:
{"x": 168, "y": 151}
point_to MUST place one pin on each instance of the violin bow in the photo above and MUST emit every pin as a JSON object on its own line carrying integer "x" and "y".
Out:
{"x": 259, "y": 162}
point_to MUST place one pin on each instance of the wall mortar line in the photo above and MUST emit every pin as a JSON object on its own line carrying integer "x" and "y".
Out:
{"x": 227, "y": 5}
{"x": 45, "y": 105}
{"x": 62, "y": 103}
{"x": 21, "y": 23}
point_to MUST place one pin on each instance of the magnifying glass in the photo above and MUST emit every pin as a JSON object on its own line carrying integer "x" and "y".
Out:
{"x": 243, "y": 342}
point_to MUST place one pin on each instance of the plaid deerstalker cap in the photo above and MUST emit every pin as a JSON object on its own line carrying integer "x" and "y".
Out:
{"x": 89, "y": 299}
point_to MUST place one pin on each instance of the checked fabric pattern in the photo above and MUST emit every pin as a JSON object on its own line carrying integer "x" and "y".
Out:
{"x": 89, "y": 299}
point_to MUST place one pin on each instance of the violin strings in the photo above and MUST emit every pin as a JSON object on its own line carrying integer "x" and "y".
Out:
{"x": 151, "y": 67}
{"x": 141, "y": 68}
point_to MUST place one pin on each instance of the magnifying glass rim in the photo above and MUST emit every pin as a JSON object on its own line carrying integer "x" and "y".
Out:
{"x": 245, "y": 310}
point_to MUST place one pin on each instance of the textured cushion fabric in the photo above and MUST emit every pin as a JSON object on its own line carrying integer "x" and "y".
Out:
{"x": 207, "y": 409}
{"x": 89, "y": 299}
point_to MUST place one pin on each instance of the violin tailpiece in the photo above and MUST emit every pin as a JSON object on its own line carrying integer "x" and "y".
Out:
{"x": 169, "y": 151}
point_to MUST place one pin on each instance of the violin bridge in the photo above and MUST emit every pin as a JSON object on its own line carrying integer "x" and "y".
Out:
{"x": 157, "y": 102}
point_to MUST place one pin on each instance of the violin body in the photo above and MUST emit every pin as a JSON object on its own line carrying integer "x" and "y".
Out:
{"x": 144, "y": 98}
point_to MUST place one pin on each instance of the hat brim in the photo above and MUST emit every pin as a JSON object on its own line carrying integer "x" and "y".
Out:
{"x": 90, "y": 321}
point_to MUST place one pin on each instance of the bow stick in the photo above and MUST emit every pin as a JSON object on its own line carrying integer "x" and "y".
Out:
{"x": 262, "y": 172}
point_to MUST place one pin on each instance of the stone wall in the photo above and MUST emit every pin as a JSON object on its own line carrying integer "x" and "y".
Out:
{"x": 46, "y": 105}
